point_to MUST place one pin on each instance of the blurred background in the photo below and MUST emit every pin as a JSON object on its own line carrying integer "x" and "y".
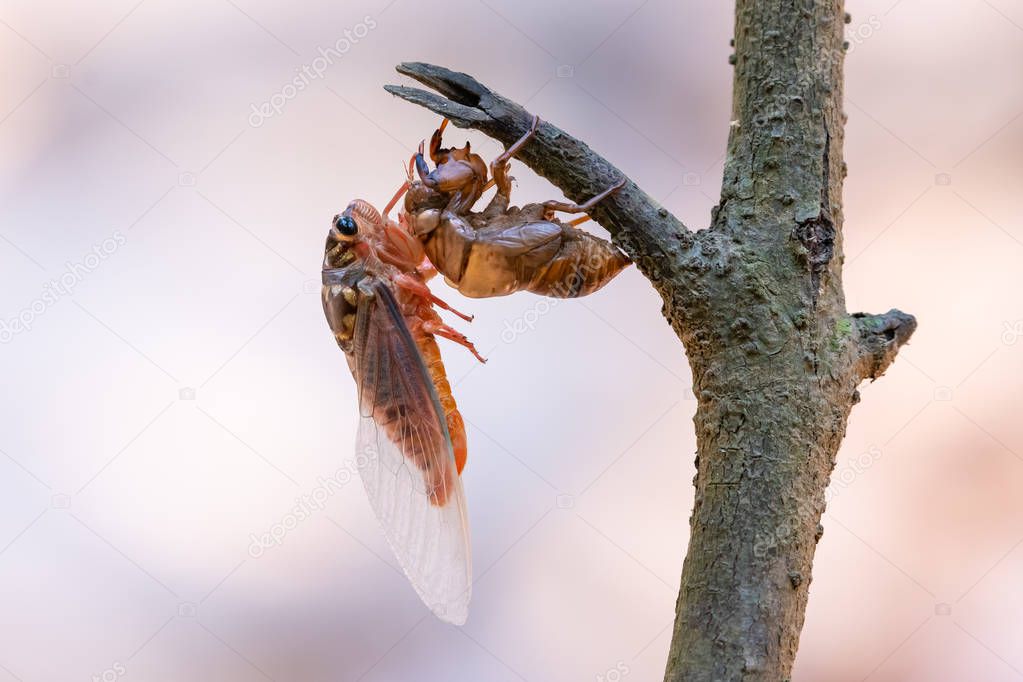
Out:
{"x": 177, "y": 429}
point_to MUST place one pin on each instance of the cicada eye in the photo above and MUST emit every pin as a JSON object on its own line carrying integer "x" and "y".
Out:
{"x": 346, "y": 225}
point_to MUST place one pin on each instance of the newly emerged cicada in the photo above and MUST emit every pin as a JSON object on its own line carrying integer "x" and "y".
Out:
{"x": 411, "y": 439}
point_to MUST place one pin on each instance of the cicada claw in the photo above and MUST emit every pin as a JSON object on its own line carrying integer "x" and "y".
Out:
{"x": 552, "y": 206}
{"x": 435, "y": 141}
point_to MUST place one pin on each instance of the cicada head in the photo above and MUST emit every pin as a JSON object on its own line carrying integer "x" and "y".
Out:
{"x": 357, "y": 232}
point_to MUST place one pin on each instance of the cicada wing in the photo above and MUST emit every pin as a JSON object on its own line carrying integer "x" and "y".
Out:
{"x": 405, "y": 458}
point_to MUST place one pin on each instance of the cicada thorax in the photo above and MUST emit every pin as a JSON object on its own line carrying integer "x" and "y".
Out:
{"x": 340, "y": 300}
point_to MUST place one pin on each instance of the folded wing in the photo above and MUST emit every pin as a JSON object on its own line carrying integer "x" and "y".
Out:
{"x": 405, "y": 458}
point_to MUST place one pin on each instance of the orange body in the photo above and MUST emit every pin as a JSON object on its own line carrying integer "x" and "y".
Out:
{"x": 456, "y": 427}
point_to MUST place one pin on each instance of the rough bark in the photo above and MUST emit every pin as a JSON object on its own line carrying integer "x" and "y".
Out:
{"x": 756, "y": 299}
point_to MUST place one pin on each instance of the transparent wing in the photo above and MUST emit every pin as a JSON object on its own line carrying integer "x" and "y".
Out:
{"x": 405, "y": 458}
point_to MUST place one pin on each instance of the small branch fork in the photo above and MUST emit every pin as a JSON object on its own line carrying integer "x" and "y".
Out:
{"x": 880, "y": 337}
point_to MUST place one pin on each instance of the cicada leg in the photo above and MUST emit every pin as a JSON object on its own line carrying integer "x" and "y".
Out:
{"x": 394, "y": 200}
{"x": 412, "y": 285}
{"x": 511, "y": 151}
{"x": 442, "y": 330}
{"x": 550, "y": 207}
{"x": 499, "y": 171}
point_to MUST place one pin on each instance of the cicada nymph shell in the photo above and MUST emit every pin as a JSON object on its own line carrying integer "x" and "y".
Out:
{"x": 503, "y": 249}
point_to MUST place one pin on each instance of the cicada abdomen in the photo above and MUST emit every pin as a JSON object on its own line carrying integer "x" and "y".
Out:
{"x": 453, "y": 418}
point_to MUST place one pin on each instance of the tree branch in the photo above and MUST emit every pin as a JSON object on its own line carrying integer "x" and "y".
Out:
{"x": 880, "y": 338}
{"x": 645, "y": 230}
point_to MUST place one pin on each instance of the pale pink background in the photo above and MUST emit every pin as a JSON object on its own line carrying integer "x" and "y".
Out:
{"x": 127, "y": 511}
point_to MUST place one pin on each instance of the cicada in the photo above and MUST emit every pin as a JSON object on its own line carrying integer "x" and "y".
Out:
{"x": 411, "y": 444}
